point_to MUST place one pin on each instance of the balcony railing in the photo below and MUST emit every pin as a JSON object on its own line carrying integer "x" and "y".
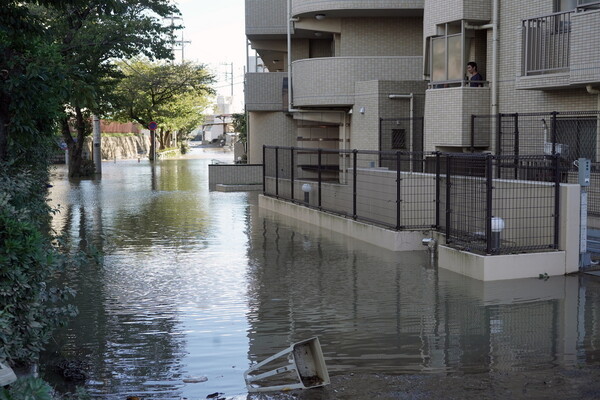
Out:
{"x": 457, "y": 83}
{"x": 546, "y": 44}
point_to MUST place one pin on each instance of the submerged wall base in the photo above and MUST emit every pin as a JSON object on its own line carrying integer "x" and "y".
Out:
{"x": 480, "y": 267}
{"x": 378, "y": 236}
{"x": 498, "y": 267}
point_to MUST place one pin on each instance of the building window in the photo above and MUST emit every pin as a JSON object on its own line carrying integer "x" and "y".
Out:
{"x": 447, "y": 55}
{"x": 399, "y": 139}
{"x": 566, "y": 5}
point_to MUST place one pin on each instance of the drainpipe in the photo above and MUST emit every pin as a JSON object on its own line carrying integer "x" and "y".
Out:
{"x": 290, "y": 20}
{"x": 495, "y": 13}
{"x": 411, "y": 111}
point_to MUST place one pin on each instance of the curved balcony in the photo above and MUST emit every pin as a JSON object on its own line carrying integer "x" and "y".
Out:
{"x": 331, "y": 81}
{"x": 266, "y": 91}
{"x": 266, "y": 18}
{"x": 362, "y": 8}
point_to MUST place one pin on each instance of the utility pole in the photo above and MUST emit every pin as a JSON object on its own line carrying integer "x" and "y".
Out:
{"x": 229, "y": 75}
{"x": 97, "y": 146}
{"x": 181, "y": 42}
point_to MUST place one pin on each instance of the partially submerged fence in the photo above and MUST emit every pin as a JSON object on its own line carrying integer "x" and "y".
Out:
{"x": 461, "y": 195}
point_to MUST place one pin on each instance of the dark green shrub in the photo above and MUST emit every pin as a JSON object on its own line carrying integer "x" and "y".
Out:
{"x": 29, "y": 257}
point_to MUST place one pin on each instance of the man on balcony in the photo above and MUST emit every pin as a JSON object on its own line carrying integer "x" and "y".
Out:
{"x": 475, "y": 80}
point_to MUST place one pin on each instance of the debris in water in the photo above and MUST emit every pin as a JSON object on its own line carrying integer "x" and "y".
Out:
{"x": 195, "y": 379}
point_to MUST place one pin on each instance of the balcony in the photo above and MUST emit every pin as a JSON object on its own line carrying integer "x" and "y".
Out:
{"x": 266, "y": 18}
{"x": 330, "y": 81}
{"x": 448, "y": 117}
{"x": 265, "y": 91}
{"x": 362, "y": 8}
{"x": 556, "y": 50}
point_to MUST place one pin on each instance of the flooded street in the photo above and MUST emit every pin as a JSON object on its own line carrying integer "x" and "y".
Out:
{"x": 197, "y": 285}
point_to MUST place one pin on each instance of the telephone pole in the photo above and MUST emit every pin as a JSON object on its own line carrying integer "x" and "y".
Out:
{"x": 181, "y": 42}
{"x": 229, "y": 75}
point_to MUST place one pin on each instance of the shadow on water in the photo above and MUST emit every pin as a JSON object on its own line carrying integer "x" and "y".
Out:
{"x": 197, "y": 285}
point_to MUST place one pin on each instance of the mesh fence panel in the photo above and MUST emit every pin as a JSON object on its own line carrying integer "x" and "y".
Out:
{"x": 463, "y": 194}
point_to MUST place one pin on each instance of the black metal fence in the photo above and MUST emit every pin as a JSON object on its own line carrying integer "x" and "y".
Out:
{"x": 475, "y": 199}
{"x": 488, "y": 215}
{"x": 570, "y": 135}
{"x": 358, "y": 184}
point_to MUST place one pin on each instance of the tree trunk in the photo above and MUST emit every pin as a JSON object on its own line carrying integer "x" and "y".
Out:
{"x": 75, "y": 145}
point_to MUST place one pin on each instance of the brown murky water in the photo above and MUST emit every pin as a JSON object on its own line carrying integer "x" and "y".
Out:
{"x": 197, "y": 285}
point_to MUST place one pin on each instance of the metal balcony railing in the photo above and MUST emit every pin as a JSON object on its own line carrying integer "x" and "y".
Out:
{"x": 546, "y": 43}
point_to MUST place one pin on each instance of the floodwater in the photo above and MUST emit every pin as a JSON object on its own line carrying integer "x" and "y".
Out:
{"x": 196, "y": 286}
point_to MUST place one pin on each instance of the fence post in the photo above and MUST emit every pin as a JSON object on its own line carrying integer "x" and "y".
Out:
{"x": 319, "y": 170}
{"x": 264, "y": 151}
{"x": 489, "y": 203}
{"x": 437, "y": 189}
{"x": 556, "y": 199}
{"x": 553, "y": 130}
{"x": 448, "y": 203}
{"x": 517, "y": 146}
{"x": 499, "y": 134}
{"x": 354, "y": 185}
{"x": 292, "y": 172}
{"x": 472, "y": 133}
{"x": 398, "y": 187}
{"x": 277, "y": 171}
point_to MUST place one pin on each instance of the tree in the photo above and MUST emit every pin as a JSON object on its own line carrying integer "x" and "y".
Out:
{"x": 92, "y": 34}
{"x": 30, "y": 65}
{"x": 239, "y": 125}
{"x": 172, "y": 95}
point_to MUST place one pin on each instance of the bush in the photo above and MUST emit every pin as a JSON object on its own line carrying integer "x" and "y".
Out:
{"x": 27, "y": 389}
{"x": 185, "y": 147}
{"x": 29, "y": 257}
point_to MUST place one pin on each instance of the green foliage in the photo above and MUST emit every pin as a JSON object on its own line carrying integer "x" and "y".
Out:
{"x": 29, "y": 308}
{"x": 30, "y": 65}
{"x": 172, "y": 95}
{"x": 184, "y": 147}
{"x": 27, "y": 389}
{"x": 240, "y": 125}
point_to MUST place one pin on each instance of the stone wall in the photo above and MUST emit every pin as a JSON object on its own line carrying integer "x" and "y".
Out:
{"x": 121, "y": 148}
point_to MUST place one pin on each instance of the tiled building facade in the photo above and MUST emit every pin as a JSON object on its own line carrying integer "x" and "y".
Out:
{"x": 337, "y": 67}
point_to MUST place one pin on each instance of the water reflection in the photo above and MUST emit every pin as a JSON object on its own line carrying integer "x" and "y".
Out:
{"x": 201, "y": 284}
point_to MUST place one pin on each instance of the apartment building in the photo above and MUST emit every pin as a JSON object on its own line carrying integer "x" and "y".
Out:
{"x": 390, "y": 75}
{"x": 335, "y": 68}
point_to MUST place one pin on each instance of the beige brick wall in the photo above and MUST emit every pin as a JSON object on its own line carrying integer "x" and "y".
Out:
{"x": 364, "y": 37}
{"x": 310, "y": 6}
{"x": 373, "y": 96}
{"x": 585, "y": 56}
{"x": 511, "y": 100}
{"x": 330, "y": 81}
{"x": 234, "y": 174}
{"x": 263, "y": 92}
{"x": 448, "y": 115}
{"x": 270, "y": 128}
{"x": 266, "y": 17}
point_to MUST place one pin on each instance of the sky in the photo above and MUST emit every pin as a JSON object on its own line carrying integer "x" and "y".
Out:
{"x": 216, "y": 31}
